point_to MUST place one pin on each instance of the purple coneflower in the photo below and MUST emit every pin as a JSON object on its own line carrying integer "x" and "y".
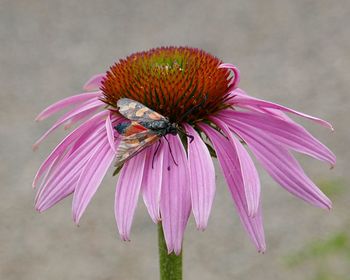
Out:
{"x": 198, "y": 92}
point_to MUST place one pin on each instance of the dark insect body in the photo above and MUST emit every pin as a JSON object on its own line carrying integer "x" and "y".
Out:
{"x": 161, "y": 127}
{"x": 145, "y": 128}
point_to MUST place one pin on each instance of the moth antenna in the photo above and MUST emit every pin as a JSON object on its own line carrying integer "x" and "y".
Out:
{"x": 194, "y": 108}
{"x": 186, "y": 134}
{"x": 155, "y": 153}
{"x": 171, "y": 152}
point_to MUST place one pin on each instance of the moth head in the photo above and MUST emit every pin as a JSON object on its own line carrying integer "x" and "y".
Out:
{"x": 173, "y": 129}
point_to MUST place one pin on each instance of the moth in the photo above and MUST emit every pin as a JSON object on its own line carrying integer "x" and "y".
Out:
{"x": 144, "y": 128}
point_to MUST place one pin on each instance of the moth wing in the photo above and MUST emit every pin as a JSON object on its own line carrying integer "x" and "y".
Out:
{"x": 134, "y": 128}
{"x": 136, "y": 111}
{"x": 131, "y": 145}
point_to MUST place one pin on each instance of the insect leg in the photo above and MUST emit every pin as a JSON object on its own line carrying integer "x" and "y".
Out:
{"x": 154, "y": 155}
{"x": 188, "y": 135}
{"x": 171, "y": 153}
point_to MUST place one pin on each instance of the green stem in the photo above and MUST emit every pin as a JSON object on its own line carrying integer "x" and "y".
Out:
{"x": 170, "y": 264}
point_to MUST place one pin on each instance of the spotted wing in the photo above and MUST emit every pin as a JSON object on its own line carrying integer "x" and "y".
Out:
{"x": 136, "y": 111}
{"x": 132, "y": 144}
{"x": 131, "y": 128}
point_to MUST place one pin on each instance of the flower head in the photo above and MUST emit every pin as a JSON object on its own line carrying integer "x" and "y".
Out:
{"x": 175, "y": 175}
{"x": 171, "y": 81}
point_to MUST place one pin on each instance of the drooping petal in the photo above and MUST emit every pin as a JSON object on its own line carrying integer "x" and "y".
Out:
{"x": 80, "y": 117}
{"x": 281, "y": 165}
{"x": 110, "y": 133}
{"x": 127, "y": 193}
{"x": 152, "y": 180}
{"x": 202, "y": 178}
{"x": 85, "y": 128}
{"x": 175, "y": 203}
{"x": 235, "y": 71}
{"x": 288, "y": 133}
{"x": 64, "y": 103}
{"x": 243, "y": 100}
{"x": 88, "y": 106}
{"x": 230, "y": 167}
{"x": 271, "y": 111}
{"x": 249, "y": 173}
{"x": 88, "y": 136}
{"x": 94, "y": 82}
{"x": 91, "y": 177}
{"x": 63, "y": 178}
{"x": 52, "y": 168}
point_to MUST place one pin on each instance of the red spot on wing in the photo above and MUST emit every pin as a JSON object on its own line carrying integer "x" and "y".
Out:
{"x": 134, "y": 128}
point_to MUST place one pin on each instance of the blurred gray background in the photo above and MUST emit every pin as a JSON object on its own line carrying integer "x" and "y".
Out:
{"x": 296, "y": 53}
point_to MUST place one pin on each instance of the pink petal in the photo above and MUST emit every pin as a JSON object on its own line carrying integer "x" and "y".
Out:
{"x": 152, "y": 181}
{"x": 243, "y": 100}
{"x": 62, "y": 104}
{"x": 51, "y": 169}
{"x": 247, "y": 168}
{"x": 202, "y": 178}
{"x": 93, "y": 104}
{"x": 271, "y": 111}
{"x": 288, "y": 133}
{"x": 85, "y": 128}
{"x": 91, "y": 177}
{"x": 281, "y": 165}
{"x": 89, "y": 134}
{"x": 80, "y": 117}
{"x": 235, "y": 71}
{"x": 229, "y": 164}
{"x": 110, "y": 133}
{"x": 127, "y": 193}
{"x": 175, "y": 203}
{"x": 63, "y": 178}
{"x": 94, "y": 82}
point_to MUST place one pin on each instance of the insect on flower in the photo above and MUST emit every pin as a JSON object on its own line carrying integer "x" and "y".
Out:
{"x": 146, "y": 128}
{"x": 184, "y": 93}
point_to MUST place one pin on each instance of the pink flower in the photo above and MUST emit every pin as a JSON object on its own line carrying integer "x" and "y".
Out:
{"x": 171, "y": 81}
